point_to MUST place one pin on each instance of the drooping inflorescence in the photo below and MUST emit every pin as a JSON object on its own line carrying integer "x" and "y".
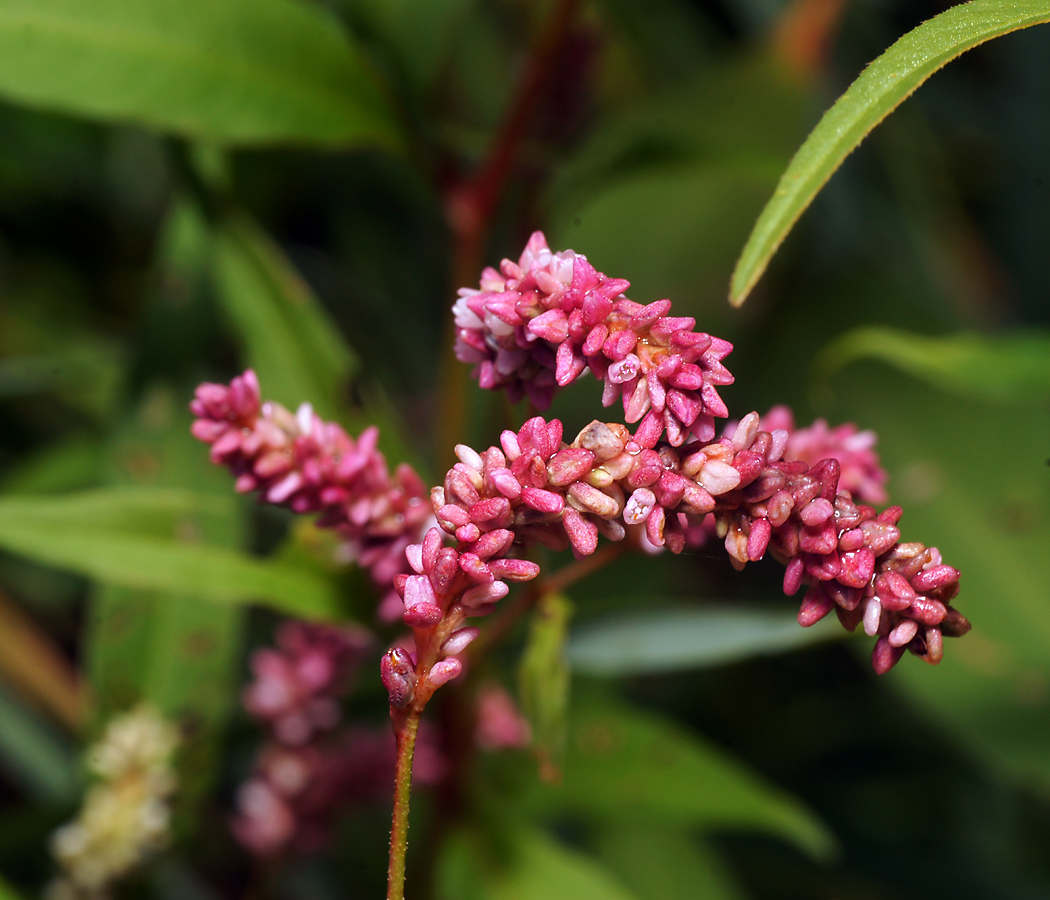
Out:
{"x": 536, "y": 325}
{"x": 536, "y": 489}
{"x": 312, "y": 466}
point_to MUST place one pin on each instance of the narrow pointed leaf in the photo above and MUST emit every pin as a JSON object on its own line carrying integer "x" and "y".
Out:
{"x": 286, "y": 335}
{"x": 7, "y": 892}
{"x": 542, "y": 869}
{"x": 131, "y": 537}
{"x": 623, "y": 762}
{"x": 689, "y": 638}
{"x": 1011, "y": 368}
{"x": 880, "y": 89}
{"x": 34, "y": 756}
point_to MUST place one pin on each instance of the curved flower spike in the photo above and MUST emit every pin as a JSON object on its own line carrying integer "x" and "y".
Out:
{"x": 540, "y": 323}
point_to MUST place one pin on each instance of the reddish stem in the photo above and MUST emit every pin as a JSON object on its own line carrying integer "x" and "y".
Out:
{"x": 406, "y": 726}
{"x": 471, "y": 203}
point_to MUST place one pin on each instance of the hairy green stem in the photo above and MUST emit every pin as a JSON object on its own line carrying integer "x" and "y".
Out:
{"x": 406, "y": 726}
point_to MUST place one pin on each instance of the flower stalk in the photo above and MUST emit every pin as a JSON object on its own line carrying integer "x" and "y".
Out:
{"x": 406, "y": 728}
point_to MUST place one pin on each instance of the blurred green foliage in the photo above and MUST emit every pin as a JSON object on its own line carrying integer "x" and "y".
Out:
{"x": 187, "y": 189}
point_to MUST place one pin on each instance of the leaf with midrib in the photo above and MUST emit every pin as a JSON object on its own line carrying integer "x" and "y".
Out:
{"x": 880, "y": 89}
{"x": 235, "y": 71}
{"x": 1007, "y": 368}
{"x": 130, "y": 537}
{"x": 622, "y": 761}
{"x": 675, "y": 639}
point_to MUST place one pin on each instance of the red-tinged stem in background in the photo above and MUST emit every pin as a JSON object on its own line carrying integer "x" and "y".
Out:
{"x": 471, "y": 203}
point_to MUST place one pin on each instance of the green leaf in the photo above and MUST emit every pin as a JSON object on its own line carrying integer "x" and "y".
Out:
{"x": 880, "y": 89}
{"x": 622, "y": 762}
{"x": 287, "y": 336}
{"x": 85, "y": 373}
{"x": 972, "y": 478}
{"x": 686, "y": 222}
{"x": 177, "y": 652}
{"x": 542, "y": 869}
{"x": 659, "y": 862}
{"x": 663, "y": 640}
{"x": 544, "y": 679}
{"x": 74, "y": 462}
{"x": 34, "y": 755}
{"x": 421, "y": 32}
{"x": 237, "y": 72}
{"x": 1012, "y": 368}
{"x": 7, "y": 892}
{"x": 174, "y": 650}
{"x": 134, "y": 537}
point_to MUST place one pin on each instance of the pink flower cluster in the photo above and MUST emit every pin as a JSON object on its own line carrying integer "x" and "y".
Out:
{"x": 538, "y": 324}
{"x": 312, "y": 767}
{"x": 861, "y": 473}
{"x": 312, "y": 466}
{"x": 851, "y": 557}
{"x": 536, "y": 489}
{"x": 297, "y": 683}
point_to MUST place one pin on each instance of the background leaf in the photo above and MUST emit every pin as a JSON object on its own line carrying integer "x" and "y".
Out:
{"x": 621, "y": 761}
{"x": 38, "y": 759}
{"x": 287, "y": 337}
{"x": 420, "y": 33}
{"x": 131, "y": 537}
{"x": 663, "y": 640}
{"x": 972, "y": 478}
{"x": 175, "y": 651}
{"x": 1012, "y": 368}
{"x": 657, "y": 863}
{"x": 543, "y": 869}
{"x": 7, "y": 892}
{"x": 544, "y": 679}
{"x": 230, "y": 72}
{"x": 882, "y": 86}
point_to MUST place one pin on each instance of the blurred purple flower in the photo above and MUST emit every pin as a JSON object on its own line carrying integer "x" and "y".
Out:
{"x": 294, "y": 796}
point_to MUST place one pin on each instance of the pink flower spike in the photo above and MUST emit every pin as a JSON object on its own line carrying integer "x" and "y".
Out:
{"x": 903, "y": 633}
{"x": 758, "y": 539}
{"x": 418, "y": 589}
{"x": 552, "y": 326}
{"x": 793, "y": 575}
{"x": 582, "y": 534}
{"x": 414, "y": 555}
{"x": 494, "y": 543}
{"x": 506, "y": 483}
{"x": 872, "y": 616}
{"x": 815, "y": 606}
{"x": 542, "y": 501}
